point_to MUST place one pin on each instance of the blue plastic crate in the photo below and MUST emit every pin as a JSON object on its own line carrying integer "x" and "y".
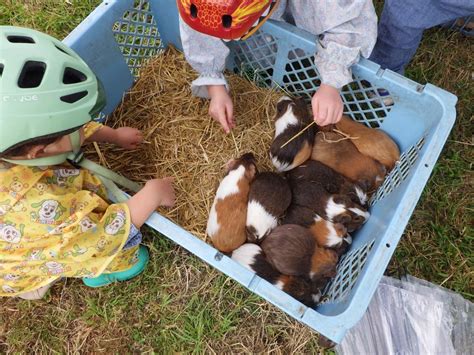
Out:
{"x": 119, "y": 35}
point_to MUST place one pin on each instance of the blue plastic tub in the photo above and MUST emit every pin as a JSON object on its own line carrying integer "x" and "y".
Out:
{"x": 118, "y": 35}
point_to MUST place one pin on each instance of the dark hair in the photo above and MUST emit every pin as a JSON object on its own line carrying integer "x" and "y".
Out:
{"x": 22, "y": 148}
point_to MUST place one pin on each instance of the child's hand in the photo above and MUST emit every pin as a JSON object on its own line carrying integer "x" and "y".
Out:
{"x": 327, "y": 105}
{"x": 128, "y": 137}
{"x": 163, "y": 190}
{"x": 221, "y": 107}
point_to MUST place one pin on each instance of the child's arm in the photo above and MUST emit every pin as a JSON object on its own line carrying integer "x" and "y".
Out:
{"x": 155, "y": 193}
{"x": 207, "y": 55}
{"x": 349, "y": 29}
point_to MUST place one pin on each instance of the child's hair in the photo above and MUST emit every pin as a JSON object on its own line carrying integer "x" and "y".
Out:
{"x": 22, "y": 148}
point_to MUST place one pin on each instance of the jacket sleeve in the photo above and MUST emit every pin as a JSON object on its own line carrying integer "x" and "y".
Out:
{"x": 91, "y": 127}
{"x": 341, "y": 44}
{"x": 207, "y": 55}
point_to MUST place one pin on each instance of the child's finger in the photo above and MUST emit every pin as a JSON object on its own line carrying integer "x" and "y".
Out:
{"x": 315, "y": 107}
{"x": 230, "y": 116}
{"x": 322, "y": 114}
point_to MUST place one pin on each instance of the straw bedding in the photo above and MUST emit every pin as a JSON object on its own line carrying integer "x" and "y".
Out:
{"x": 183, "y": 141}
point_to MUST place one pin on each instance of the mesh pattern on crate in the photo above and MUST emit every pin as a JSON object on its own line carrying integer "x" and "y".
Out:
{"x": 348, "y": 271}
{"x": 362, "y": 100}
{"x": 137, "y": 35}
{"x": 255, "y": 57}
{"x": 399, "y": 172}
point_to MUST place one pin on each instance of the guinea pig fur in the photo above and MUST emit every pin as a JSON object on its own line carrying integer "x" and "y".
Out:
{"x": 326, "y": 234}
{"x": 292, "y": 250}
{"x": 253, "y": 258}
{"x": 343, "y": 157}
{"x": 371, "y": 142}
{"x": 291, "y": 117}
{"x": 333, "y": 208}
{"x": 269, "y": 197}
{"x": 228, "y": 215}
{"x": 331, "y": 180}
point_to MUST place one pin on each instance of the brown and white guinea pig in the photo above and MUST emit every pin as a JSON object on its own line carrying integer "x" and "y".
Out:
{"x": 326, "y": 234}
{"x": 291, "y": 117}
{"x": 371, "y": 142}
{"x": 292, "y": 250}
{"x": 253, "y": 258}
{"x": 343, "y": 157}
{"x": 228, "y": 215}
{"x": 333, "y": 208}
{"x": 331, "y": 180}
{"x": 269, "y": 197}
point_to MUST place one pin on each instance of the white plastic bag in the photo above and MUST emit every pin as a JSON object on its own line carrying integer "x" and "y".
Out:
{"x": 412, "y": 316}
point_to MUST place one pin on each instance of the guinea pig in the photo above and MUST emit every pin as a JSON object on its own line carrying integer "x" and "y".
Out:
{"x": 371, "y": 142}
{"x": 228, "y": 215}
{"x": 343, "y": 157}
{"x": 253, "y": 258}
{"x": 291, "y": 117}
{"x": 269, "y": 197}
{"x": 333, "y": 208}
{"x": 326, "y": 234}
{"x": 292, "y": 250}
{"x": 331, "y": 180}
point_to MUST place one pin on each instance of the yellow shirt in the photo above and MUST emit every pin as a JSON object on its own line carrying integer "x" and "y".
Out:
{"x": 56, "y": 222}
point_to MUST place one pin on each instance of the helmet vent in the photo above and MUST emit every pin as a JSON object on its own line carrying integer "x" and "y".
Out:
{"x": 73, "y": 76}
{"x": 72, "y": 98}
{"x": 194, "y": 11}
{"x": 20, "y": 39}
{"x": 227, "y": 21}
{"x": 1, "y": 69}
{"x": 31, "y": 75}
{"x": 61, "y": 50}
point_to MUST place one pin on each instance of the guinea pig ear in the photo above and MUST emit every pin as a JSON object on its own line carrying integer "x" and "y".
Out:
{"x": 342, "y": 218}
{"x": 341, "y": 230}
{"x": 231, "y": 165}
{"x": 251, "y": 171}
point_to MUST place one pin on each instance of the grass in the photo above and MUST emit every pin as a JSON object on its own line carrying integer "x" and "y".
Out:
{"x": 182, "y": 305}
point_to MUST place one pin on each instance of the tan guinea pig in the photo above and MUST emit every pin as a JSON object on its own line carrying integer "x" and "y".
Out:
{"x": 343, "y": 156}
{"x": 374, "y": 143}
{"x": 226, "y": 224}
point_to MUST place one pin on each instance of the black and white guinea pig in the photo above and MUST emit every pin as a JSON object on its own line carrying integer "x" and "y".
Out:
{"x": 291, "y": 117}
{"x": 252, "y": 257}
{"x": 269, "y": 197}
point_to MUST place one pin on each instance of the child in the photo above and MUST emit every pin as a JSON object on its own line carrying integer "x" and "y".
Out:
{"x": 55, "y": 219}
{"x": 345, "y": 30}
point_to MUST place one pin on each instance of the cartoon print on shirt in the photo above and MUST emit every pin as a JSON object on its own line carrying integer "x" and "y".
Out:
{"x": 48, "y": 213}
{"x": 53, "y": 268}
{"x": 10, "y": 234}
{"x": 114, "y": 226}
{"x": 63, "y": 176}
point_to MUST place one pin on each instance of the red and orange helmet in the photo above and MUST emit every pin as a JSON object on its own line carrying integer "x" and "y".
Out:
{"x": 226, "y": 19}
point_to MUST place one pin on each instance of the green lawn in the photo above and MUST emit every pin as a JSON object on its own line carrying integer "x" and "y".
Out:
{"x": 180, "y": 304}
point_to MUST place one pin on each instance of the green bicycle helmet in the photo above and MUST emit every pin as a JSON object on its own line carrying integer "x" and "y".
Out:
{"x": 45, "y": 89}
